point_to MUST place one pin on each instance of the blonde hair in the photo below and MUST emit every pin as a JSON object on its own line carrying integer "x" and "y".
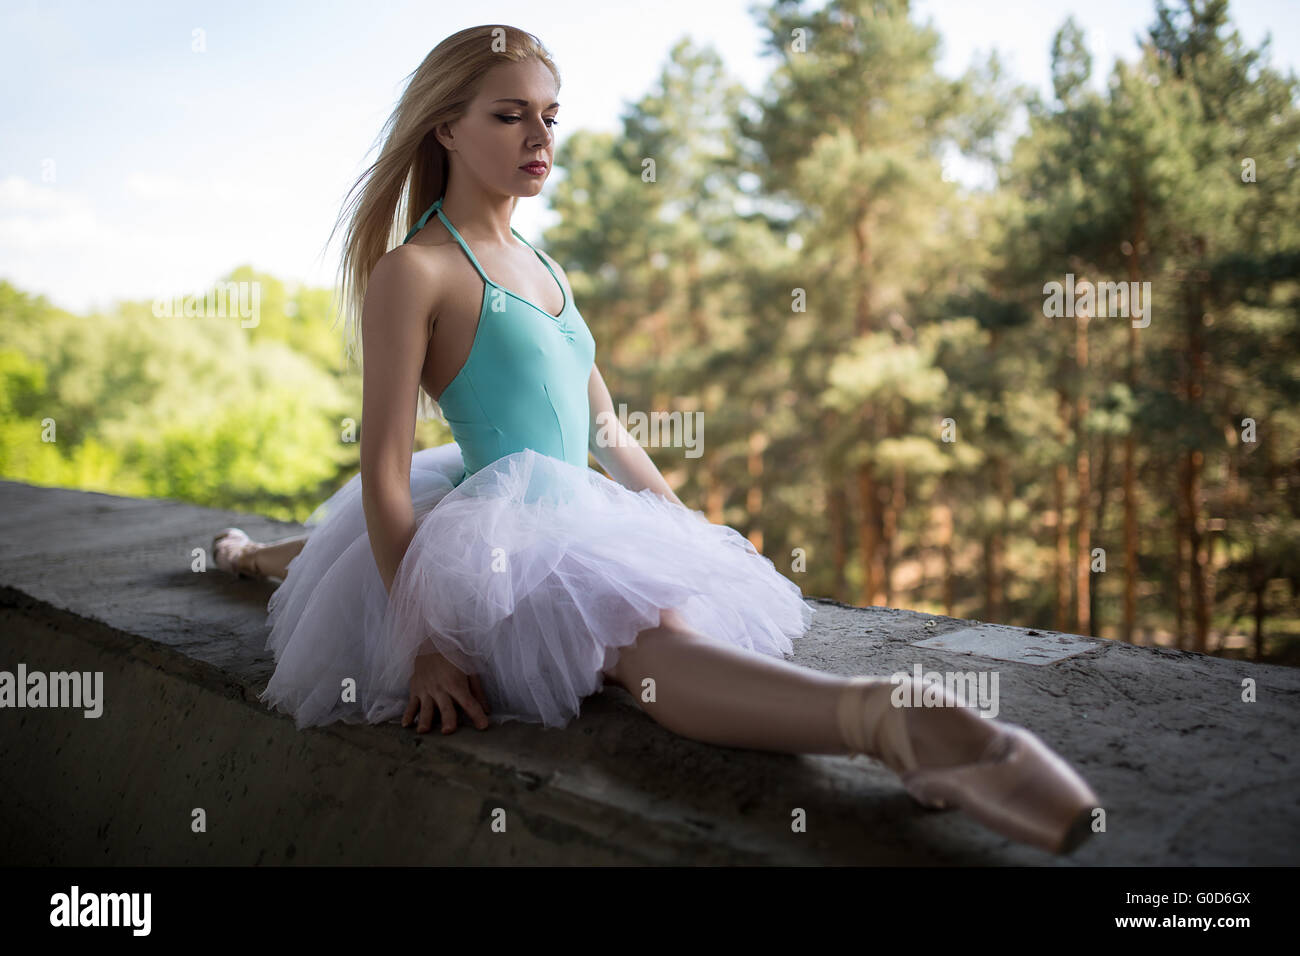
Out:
{"x": 411, "y": 171}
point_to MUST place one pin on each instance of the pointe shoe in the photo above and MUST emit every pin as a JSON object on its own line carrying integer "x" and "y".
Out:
{"x": 1017, "y": 786}
{"x": 229, "y": 548}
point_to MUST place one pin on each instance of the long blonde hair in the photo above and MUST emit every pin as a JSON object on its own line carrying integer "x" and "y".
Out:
{"x": 411, "y": 171}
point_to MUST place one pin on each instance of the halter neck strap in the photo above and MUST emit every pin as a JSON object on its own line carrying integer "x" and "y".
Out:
{"x": 437, "y": 207}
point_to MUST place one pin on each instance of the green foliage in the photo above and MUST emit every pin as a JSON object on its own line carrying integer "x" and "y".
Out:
{"x": 814, "y": 278}
{"x": 192, "y": 408}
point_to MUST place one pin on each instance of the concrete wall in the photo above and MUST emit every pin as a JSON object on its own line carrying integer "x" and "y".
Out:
{"x": 1189, "y": 773}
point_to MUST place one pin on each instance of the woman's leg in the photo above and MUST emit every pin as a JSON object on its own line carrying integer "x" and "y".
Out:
{"x": 725, "y": 695}
{"x": 721, "y": 694}
{"x": 270, "y": 560}
{"x": 1011, "y": 782}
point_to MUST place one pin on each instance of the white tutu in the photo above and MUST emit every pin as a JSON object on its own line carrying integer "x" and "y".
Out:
{"x": 531, "y": 573}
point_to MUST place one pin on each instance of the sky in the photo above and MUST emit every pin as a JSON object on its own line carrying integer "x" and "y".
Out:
{"x": 148, "y": 148}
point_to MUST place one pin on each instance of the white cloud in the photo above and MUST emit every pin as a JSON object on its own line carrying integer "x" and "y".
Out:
{"x": 33, "y": 216}
{"x": 161, "y": 234}
{"x": 156, "y": 186}
{"x": 21, "y": 195}
{"x": 247, "y": 190}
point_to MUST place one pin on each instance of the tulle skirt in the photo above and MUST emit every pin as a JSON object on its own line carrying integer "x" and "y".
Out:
{"x": 530, "y": 573}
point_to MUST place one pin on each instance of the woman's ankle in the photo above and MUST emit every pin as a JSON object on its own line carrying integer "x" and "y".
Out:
{"x": 886, "y": 721}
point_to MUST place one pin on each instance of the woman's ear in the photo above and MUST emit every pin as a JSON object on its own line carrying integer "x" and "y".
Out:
{"x": 443, "y": 133}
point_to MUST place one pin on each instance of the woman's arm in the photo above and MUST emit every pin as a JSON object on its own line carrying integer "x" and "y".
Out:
{"x": 617, "y": 451}
{"x": 395, "y": 328}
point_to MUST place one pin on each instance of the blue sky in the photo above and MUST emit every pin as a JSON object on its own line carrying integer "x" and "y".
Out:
{"x": 133, "y": 165}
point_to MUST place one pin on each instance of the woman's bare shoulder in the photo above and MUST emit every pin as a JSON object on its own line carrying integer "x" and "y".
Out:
{"x": 415, "y": 275}
{"x": 409, "y": 259}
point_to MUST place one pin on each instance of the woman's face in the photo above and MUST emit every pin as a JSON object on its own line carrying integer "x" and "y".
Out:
{"x": 507, "y": 126}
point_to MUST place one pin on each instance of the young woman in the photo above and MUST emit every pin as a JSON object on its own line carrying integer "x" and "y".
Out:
{"x": 500, "y": 573}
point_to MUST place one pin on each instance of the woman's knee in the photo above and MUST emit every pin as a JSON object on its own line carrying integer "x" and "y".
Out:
{"x": 671, "y": 630}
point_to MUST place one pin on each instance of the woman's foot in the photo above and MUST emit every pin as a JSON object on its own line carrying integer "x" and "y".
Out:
{"x": 235, "y": 552}
{"x": 907, "y": 738}
{"x": 948, "y": 755}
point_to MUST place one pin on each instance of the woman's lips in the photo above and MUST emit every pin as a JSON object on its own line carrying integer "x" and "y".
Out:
{"x": 535, "y": 168}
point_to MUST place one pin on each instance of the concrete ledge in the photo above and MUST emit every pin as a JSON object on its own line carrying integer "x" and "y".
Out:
{"x": 1188, "y": 773}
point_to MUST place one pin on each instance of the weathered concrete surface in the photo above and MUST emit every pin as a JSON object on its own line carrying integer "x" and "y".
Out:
{"x": 1187, "y": 772}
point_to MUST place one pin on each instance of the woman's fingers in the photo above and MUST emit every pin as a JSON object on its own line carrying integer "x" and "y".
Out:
{"x": 465, "y": 690}
{"x": 476, "y": 686}
{"x": 472, "y": 707}
{"x": 426, "y": 713}
{"x": 448, "y": 711}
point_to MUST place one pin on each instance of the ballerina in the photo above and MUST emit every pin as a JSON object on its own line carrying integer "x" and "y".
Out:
{"x": 500, "y": 574}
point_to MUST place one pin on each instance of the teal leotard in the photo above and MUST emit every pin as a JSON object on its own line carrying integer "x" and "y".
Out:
{"x": 524, "y": 384}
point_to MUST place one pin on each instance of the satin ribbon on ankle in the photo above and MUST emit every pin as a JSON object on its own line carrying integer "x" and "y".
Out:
{"x": 861, "y": 712}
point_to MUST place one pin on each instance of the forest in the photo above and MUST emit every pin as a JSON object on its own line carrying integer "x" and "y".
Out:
{"x": 1063, "y": 399}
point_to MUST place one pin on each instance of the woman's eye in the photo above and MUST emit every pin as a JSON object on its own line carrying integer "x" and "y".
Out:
{"x": 550, "y": 119}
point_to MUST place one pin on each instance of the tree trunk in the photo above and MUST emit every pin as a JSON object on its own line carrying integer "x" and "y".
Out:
{"x": 1103, "y": 487}
{"x": 1180, "y": 561}
{"x": 713, "y": 496}
{"x": 1083, "y": 558}
{"x": 1195, "y": 549}
{"x": 945, "y": 516}
{"x": 837, "y": 511}
{"x": 1259, "y": 624}
{"x": 1061, "y": 559}
{"x": 754, "y": 496}
{"x": 1131, "y": 569}
{"x": 1130, "y": 538}
{"x": 890, "y": 544}
{"x": 1194, "y": 459}
{"x": 873, "y": 571}
{"x": 996, "y": 545}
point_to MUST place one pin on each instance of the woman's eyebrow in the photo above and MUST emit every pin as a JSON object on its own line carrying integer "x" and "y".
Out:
{"x": 507, "y": 99}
